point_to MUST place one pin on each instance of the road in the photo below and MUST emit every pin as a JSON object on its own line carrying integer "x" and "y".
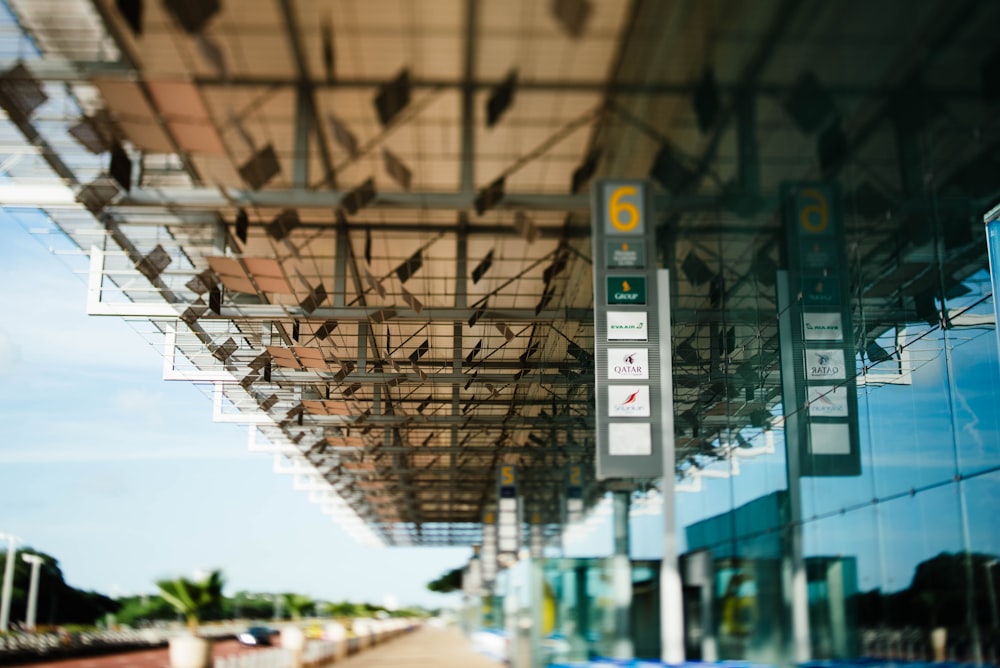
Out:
{"x": 146, "y": 658}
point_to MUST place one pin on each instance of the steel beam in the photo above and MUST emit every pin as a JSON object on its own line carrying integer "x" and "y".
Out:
{"x": 302, "y": 199}
{"x": 355, "y": 314}
{"x": 306, "y": 116}
{"x": 82, "y": 71}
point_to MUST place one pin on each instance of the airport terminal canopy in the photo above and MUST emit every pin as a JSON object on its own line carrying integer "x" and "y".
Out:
{"x": 366, "y": 223}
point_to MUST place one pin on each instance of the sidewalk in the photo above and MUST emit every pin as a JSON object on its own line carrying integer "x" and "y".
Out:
{"x": 430, "y": 647}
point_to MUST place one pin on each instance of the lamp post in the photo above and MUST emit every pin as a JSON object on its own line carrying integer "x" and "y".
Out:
{"x": 35, "y": 562}
{"x": 8, "y": 582}
{"x": 994, "y": 617}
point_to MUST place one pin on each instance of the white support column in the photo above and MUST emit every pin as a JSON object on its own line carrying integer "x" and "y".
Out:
{"x": 671, "y": 590}
{"x": 8, "y": 583}
{"x": 621, "y": 580}
{"x": 32, "y": 615}
{"x": 794, "y": 566}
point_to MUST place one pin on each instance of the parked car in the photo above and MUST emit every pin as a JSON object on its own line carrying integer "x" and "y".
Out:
{"x": 257, "y": 635}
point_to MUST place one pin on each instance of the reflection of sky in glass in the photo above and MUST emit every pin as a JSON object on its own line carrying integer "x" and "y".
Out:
{"x": 915, "y": 439}
{"x": 916, "y": 436}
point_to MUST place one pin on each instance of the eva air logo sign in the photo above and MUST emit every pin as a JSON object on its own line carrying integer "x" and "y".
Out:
{"x": 626, "y": 289}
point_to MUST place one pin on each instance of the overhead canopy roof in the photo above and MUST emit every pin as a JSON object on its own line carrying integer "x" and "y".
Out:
{"x": 366, "y": 222}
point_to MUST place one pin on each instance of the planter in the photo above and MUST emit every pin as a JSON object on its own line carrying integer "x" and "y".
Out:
{"x": 190, "y": 652}
{"x": 939, "y": 643}
{"x": 294, "y": 640}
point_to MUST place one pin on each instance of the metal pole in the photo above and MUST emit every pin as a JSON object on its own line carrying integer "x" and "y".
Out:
{"x": 794, "y": 561}
{"x": 671, "y": 589}
{"x": 35, "y": 562}
{"x": 994, "y": 616}
{"x": 621, "y": 580}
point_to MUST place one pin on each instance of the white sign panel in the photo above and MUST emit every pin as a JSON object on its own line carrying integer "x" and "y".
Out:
{"x": 628, "y": 364}
{"x": 823, "y": 327}
{"x": 627, "y": 326}
{"x": 828, "y": 401}
{"x": 630, "y": 438}
{"x": 829, "y": 439}
{"x": 826, "y": 364}
{"x": 628, "y": 401}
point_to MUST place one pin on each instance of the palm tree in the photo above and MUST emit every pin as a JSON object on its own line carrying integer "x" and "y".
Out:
{"x": 193, "y": 598}
{"x": 297, "y": 604}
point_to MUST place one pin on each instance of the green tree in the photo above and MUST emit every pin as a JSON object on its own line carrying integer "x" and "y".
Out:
{"x": 195, "y": 599}
{"x": 58, "y": 602}
{"x": 297, "y": 605}
{"x": 448, "y": 582}
{"x": 250, "y": 605}
{"x": 136, "y": 609}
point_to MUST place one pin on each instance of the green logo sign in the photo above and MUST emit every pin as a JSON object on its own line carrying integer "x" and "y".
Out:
{"x": 626, "y": 254}
{"x": 626, "y": 289}
{"x": 815, "y": 254}
{"x": 820, "y": 291}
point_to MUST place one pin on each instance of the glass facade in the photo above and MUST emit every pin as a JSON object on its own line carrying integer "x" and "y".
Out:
{"x": 910, "y": 544}
{"x": 866, "y": 460}
{"x": 901, "y": 561}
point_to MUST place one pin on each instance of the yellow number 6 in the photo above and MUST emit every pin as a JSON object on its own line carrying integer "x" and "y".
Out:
{"x": 818, "y": 209}
{"x": 616, "y": 208}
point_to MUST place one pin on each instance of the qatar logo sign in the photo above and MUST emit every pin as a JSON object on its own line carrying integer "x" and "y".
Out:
{"x": 825, "y": 364}
{"x": 628, "y": 401}
{"x": 628, "y": 364}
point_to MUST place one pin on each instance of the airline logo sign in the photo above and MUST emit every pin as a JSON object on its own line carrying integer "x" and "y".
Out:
{"x": 626, "y": 254}
{"x": 628, "y": 400}
{"x": 827, "y": 401}
{"x": 823, "y": 327}
{"x": 820, "y": 291}
{"x": 626, "y": 289}
{"x": 825, "y": 364}
{"x": 628, "y": 364}
{"x": 627, "y": 326}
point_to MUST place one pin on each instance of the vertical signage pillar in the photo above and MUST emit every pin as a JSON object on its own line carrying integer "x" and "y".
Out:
{"x": 488, "y": 552}
{"x": 629, "y": 392}
{"x": 508, "y": 515}
{"x": 574, "y": 494}
{"x": 821, "y": 336}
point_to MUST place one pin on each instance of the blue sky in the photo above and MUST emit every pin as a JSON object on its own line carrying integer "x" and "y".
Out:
{"x": 124, "y": 477}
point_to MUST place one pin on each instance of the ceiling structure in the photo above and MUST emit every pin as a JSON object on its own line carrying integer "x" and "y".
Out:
{"x": 366, "y": 224}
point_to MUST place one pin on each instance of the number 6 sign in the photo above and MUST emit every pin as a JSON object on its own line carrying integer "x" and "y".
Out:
{"x": 625, "y": 209}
